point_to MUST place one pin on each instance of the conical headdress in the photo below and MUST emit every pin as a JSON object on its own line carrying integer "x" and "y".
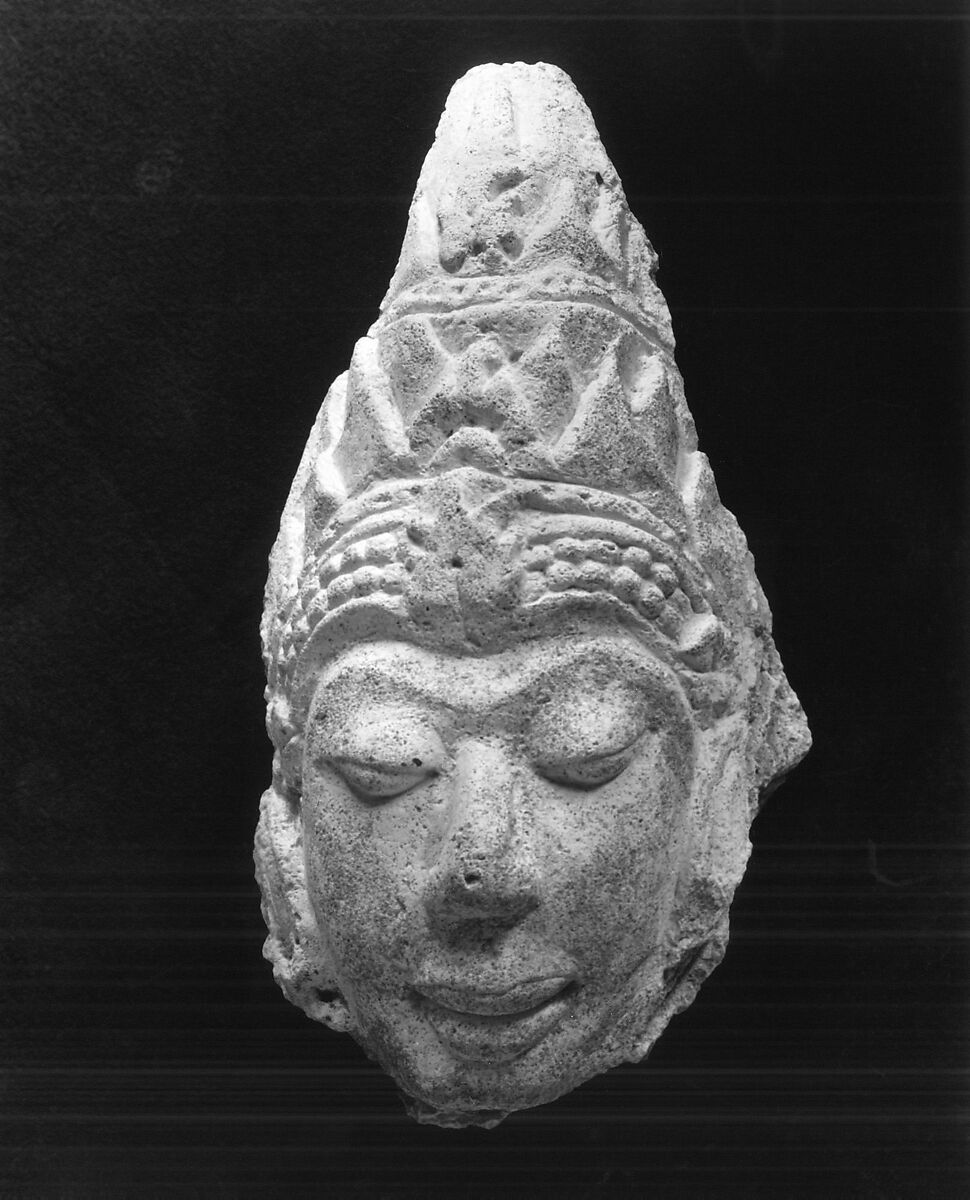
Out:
{"x": 512, "y": 433}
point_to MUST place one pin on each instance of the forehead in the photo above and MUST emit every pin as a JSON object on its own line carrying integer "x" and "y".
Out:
{"x": 478, "y": 682}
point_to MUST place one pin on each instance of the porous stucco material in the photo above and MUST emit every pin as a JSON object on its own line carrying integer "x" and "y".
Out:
{"x": 521, "y": 680}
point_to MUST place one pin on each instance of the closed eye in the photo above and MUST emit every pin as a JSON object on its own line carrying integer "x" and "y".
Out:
{"x": 381, "y": 781}
{"x": 589, "y": 772}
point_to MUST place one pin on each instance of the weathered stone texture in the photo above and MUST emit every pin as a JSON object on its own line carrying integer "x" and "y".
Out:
{"x": 521, "y": 680}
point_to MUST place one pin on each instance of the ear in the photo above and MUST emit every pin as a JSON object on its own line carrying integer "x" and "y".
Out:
{"x": 302, "y": 963}
{"x": 741, "y": 757}
{"x": 720, "y": 819}
{"x": 779, "y": 736}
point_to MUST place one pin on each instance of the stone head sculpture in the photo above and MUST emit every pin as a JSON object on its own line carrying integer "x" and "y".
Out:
{"x": 521, "y": 680}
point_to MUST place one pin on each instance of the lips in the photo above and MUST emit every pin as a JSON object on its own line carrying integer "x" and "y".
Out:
{"x": 485, "y": 1027}
{"x": 519, "y": 998}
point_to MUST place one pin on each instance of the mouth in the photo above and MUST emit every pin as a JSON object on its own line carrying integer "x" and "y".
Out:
{"x": 484, "y": 1027}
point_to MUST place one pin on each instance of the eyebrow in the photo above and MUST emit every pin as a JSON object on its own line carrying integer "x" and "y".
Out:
{"x": 412, "y": 677}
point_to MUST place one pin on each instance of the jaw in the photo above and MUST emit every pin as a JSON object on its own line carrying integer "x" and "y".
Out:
{"x": 442, "y": 1084}
{"x": 613, "y": 1025}
{"x": 483, "y": 1097}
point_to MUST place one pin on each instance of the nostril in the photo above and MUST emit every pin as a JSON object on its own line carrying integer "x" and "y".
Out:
{"x": 472, "y": 879}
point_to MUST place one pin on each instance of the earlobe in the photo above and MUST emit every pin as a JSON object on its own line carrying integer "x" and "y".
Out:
{"x": 786, "y": 739}
{"x": 302, "y": 964}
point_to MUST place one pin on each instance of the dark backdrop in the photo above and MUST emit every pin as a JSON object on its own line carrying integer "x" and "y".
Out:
{"x": 204, "y": 202}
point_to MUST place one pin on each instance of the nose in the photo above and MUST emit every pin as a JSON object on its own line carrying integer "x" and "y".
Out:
{"x": 483, "y": 867}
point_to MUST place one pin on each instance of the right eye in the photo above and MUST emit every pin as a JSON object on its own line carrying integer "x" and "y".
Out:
{"x": 381, "y": 781}
{"x": 382, "y": 753}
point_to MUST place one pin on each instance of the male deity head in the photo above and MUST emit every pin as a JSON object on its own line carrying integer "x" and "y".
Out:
{"x": 521, "y": 681}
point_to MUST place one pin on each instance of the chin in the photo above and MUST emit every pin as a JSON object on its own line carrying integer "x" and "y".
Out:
{"x": 440, "y": 1087}
{"x": 476, "y": 1095}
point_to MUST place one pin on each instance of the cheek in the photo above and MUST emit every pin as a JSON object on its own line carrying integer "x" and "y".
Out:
{"x": 619, "y": 846}
{"x": 361, "y": 860}
{"x": 655, "y": 807}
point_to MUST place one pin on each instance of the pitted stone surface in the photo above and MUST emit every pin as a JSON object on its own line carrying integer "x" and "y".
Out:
{"x": 521, "y": 680}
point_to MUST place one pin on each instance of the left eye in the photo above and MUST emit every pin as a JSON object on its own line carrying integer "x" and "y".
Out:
{"x": 587, "y": 773}
{"x": 380, "y": 781}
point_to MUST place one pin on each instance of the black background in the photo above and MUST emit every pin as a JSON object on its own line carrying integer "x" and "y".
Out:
{"x": 204, "y": 201}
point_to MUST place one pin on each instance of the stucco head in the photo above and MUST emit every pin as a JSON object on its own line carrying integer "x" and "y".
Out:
{"x": 521, "y": 680}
